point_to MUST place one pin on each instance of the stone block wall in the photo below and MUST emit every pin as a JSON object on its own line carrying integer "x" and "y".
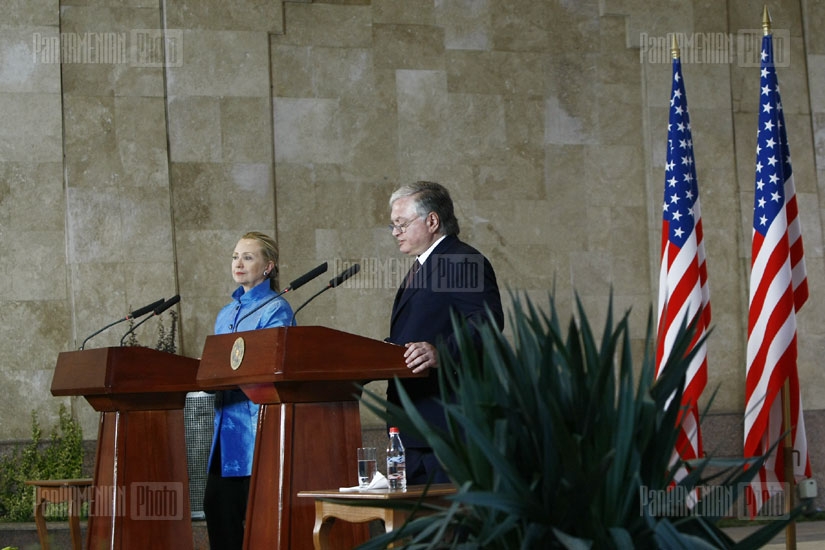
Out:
{"x": 129, "y": 170}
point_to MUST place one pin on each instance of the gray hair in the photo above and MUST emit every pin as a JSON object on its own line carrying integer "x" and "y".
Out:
{"x": 430, "y": 197}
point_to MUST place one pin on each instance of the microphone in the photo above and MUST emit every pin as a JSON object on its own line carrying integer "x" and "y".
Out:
{"x": 144, "y": 310}
{"x": 334, "y": 282}
{"x": 163, "y": 306}
{"x": 167, "y": 304}
{"x": 305, "y": 278}
{"x": 300, "y": 281}
{"x": 344, "y": 275}
{"x": 135, "y": 314}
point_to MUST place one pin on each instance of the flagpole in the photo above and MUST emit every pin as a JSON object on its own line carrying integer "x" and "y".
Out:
{"x": 787, "y": 446}
{"x": 787, "y": 449}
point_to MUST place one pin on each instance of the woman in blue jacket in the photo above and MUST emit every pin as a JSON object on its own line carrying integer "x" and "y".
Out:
{"x": 254, "y": 305}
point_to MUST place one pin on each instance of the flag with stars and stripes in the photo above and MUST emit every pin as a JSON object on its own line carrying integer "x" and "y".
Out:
{"x": 778, "y": 288}
{"x": 683, "y": 281}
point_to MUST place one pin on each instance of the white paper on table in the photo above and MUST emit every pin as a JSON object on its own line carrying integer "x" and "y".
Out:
{"x": 378, "y": 482}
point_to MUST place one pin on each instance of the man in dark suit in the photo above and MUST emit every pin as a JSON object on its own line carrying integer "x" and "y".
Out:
{"x": 448, "y": 276}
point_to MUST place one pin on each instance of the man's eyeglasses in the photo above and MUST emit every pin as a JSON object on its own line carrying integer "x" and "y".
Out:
{"x": 402, "y": 227}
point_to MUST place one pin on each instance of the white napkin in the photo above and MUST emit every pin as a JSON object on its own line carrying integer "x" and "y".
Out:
{"x": 378, "y": 482}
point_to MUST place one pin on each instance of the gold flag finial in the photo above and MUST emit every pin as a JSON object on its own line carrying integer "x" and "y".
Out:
{"x": 674, "y": 47}
{"x": 766, "y": 21}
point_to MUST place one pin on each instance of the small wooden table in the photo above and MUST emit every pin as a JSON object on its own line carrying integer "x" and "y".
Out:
{"x": 74, "y": 492}
{"x": 333, "y": 504}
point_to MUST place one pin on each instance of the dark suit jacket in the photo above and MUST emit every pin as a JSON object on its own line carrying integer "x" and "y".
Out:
{"x": 455, "y": 277}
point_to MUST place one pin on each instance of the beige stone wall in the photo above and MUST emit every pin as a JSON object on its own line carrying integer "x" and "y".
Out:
{"x": 119, "y": 247}
{"x": 219, "y": 113}
{"x": 122, "y": 182}
{"x": 35, "y": 310}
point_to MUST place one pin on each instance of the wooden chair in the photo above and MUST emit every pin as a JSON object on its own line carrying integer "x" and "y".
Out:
{"x": 73, "y": 493}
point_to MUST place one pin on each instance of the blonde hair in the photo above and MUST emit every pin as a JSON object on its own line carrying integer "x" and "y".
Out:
{"x": 270, "y": 250}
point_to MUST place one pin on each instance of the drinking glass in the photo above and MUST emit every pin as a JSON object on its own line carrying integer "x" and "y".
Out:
{"x": 367, "y": 466}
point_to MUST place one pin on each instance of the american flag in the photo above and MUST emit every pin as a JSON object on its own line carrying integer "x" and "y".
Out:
{"x": 778, "y": 288}
{"x": 683, "y": 278}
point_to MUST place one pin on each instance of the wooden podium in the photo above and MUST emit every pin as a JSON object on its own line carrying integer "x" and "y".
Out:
{"x": 140, "y": 497}
{"x": 309, "y": 424}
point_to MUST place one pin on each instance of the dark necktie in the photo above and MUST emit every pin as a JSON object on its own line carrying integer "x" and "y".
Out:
{"x": 411, "y": 275}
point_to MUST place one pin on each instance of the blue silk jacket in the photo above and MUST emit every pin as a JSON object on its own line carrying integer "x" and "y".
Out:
{"x": 236, "y": 417}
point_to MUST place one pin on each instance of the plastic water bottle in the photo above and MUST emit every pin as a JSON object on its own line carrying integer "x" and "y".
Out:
{"x": 396, "y": 462}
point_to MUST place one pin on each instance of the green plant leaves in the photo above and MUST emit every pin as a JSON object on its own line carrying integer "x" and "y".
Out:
{"x": 553, "y": 441}
{"x": 61, "y": 457}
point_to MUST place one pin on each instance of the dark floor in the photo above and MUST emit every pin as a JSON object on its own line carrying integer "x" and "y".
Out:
{"x": 24, "y": 535}
{"x": 810, "y": 535}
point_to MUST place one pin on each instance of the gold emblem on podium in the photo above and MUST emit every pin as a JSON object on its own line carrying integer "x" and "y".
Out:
{"x": 236, "y": 357}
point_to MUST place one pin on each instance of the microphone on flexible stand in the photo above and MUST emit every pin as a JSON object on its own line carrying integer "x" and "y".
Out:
{"x": 334, "y": 282}
{"x": 305, "y": 278}
{"x": 300, "y": 281}
{"x": 134, "y": 315}
{"x": 157, "y": 311}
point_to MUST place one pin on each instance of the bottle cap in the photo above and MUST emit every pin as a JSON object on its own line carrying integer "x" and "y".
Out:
{"x": 393, "y": 430}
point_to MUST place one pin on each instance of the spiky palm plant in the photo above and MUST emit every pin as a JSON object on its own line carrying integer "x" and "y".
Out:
{"x": 553, "y": 445}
